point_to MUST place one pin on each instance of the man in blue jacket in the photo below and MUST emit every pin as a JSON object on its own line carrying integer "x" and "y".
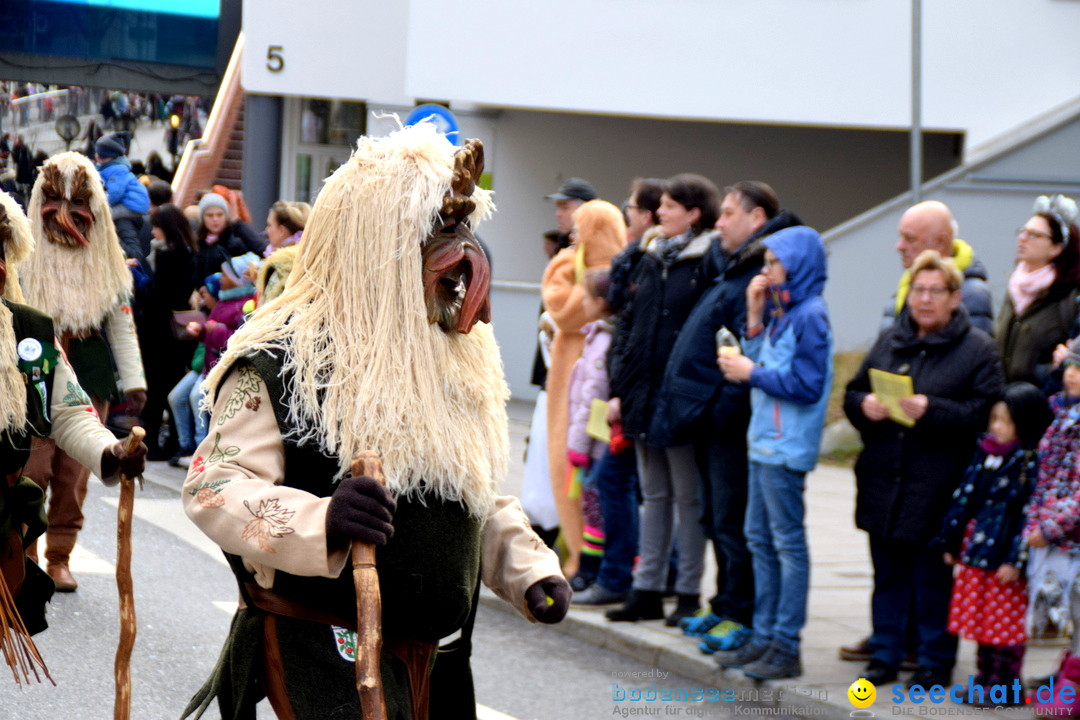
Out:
{"x": 697, "y": 405}
{"x": 788, "y": 366}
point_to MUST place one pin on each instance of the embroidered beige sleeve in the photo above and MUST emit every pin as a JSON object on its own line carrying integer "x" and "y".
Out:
{"x": 120, "y": 330}
{"x": 76, "y": 427}
{"x": 513, "y": 557}
{"x": 233, "y": 490}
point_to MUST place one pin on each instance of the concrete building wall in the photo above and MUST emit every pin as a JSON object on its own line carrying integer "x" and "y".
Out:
{"x": 825, "y": 176}
{"x": 814, "y": 62}
{"x": 988, "y": 201}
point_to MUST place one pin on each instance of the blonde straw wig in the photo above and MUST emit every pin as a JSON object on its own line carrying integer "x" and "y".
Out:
{"x": 364, "y": 368}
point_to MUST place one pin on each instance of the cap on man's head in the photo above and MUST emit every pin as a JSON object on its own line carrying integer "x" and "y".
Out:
{"x": 112, "y": 145}
{"x": 574, "y": 189}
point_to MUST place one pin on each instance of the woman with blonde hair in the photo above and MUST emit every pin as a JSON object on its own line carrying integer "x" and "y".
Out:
{"x": 285, "y": 224}
{"x": 599, "y": 233}
{"x": 284, "y": 228}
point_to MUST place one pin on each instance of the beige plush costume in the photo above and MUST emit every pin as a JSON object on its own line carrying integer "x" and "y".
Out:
{"x": 601, "y": 233}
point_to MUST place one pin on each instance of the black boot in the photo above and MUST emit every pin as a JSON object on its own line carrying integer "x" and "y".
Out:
{"x": 642, "y": 605}
{"x": 1008, "y": 662}
{"x": 687, "y": 606}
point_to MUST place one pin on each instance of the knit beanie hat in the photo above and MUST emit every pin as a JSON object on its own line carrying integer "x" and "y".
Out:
{"x": 213, "y": 285}
{"x": 113, "y": 145}
{"x": 210, "y": 200}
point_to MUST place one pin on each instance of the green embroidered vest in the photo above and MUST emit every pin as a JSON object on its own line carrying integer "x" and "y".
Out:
{"x": 37, "y": 375}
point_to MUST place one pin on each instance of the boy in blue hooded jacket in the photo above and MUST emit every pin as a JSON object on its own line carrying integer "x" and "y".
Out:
{"x": 128, "y": 198}
{"x": 788, "y": 366}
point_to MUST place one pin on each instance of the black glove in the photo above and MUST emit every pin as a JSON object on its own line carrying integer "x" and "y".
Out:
{"x": 536, "y": 597}
{"x": 360, "y": 510}
{"x": 114, "y": 460}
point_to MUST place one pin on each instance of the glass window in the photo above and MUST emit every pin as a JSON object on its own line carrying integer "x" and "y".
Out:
{"x": 303, "y": 178}
{"x": 332, "y": 122}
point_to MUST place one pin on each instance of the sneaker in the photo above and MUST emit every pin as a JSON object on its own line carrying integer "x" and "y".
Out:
{"x": 727, "y": 635}
{"x": 700, "y": 622}
{"x": 597, "y": 594}
{"x": 743, "y": 655}
{"x": 779, "y": 662}
{"x": 580, "y": 582}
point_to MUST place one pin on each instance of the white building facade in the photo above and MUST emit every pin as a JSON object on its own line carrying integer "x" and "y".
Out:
{"x": 812, "y": 96}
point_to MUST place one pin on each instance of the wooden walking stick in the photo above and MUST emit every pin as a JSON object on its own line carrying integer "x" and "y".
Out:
{"x": 122, "y": 666}
{"x": 368, "y": 607}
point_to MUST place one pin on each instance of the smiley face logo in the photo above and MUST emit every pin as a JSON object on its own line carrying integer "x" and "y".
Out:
{"x": 862, "y": 693}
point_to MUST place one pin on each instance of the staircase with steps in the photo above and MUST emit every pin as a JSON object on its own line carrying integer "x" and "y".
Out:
{"x": 216, "y": 157}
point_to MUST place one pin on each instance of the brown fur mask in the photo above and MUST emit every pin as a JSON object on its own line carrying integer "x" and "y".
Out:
{"x": 77, "y": 274}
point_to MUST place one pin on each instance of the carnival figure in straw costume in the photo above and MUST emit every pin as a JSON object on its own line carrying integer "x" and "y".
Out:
{"x": 77, "y": 275}
{"x": 39, "y": 397}
{"x": 379, "y": 341}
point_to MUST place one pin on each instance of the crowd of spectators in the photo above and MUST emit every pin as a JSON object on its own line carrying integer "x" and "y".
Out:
{"x": 717, "y": 373}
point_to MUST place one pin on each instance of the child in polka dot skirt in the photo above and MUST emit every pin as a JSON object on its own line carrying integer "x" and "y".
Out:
{"x": 982, "y": 535}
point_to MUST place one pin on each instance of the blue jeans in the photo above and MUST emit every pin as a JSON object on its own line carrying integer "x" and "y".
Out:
{"x": 776, "y": 535}
{"x": 912, "y": 586}
{"x": 616, "y": 481}
{"x": 191, "y": 423}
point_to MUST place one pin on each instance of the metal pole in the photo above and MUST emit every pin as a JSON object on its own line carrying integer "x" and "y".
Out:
{"x": 916, "y": 100}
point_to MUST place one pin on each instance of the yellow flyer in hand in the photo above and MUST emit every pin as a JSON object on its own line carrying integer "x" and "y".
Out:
{"x": 598, "y": 427}
{"x": 890, "y": 388}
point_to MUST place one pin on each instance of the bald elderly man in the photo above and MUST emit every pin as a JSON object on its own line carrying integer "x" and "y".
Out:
{"x": 930, "y": 225}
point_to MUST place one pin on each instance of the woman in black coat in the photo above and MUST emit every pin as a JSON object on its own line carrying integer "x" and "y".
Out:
{"x": 665, "y": 284}
{"x": 906, "y": 475}
{"x": 165, "y": 357}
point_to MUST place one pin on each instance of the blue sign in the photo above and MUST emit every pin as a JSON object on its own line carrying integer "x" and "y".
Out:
{"x": 444, "y": 120}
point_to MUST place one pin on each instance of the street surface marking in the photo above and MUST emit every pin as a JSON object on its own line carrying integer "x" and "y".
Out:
{"x": 84, "y": 562}
{"x": 169, "y": 516}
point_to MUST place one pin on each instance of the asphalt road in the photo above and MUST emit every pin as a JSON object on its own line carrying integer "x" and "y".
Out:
{"x": 184, "y": 598}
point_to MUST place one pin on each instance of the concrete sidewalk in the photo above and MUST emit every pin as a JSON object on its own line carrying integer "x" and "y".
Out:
{"x": 841, "y": 579}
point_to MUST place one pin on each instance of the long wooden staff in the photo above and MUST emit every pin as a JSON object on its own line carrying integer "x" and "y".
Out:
{"x": 122, "y": 666}
{"x": 368, "y": 607}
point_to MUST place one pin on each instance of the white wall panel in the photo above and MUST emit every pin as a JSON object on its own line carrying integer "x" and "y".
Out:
{"x": 349, "y": 49}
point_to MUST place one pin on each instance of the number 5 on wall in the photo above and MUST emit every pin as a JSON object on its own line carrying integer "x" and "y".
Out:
{"x": 275, "y": 62}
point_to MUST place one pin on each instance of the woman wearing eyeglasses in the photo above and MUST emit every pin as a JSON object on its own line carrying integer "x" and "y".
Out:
{"x": 1041, "y": 304}
{"x": 913, "y": 460}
